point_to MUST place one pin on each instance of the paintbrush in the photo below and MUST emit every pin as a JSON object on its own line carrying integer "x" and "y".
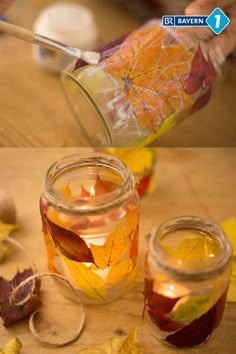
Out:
{"x": 89, "y": 57}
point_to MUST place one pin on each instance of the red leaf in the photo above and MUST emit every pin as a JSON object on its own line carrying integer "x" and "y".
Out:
{"x": 202, "y": 100}
{"x": 202, "y": 73}
{"x": 11, "y": 313}
{"x": 134, "y": 246}
{"x": 70, "y": 244}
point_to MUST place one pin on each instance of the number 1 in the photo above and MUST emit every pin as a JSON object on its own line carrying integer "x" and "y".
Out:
{"x": 217, "y": 17}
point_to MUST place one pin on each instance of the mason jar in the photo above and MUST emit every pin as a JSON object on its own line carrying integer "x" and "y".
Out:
{"x": 187, "y": 273}
{"x": 146, "y": 82}
{"x": 89, "y": 208}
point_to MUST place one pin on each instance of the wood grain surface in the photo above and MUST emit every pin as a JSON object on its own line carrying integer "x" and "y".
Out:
{"x": 187, "y": 181}
{"x": 33, "y": 110}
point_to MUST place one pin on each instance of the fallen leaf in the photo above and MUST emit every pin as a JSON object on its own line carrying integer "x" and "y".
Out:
{"x": 5, "y": 230}
{"x": 11, "y": 313}
{"x": 12, "y": 347}
{"x": 91, "y": 283}
{"x": 229, "y": 227}
{"x": 116, "y": 345}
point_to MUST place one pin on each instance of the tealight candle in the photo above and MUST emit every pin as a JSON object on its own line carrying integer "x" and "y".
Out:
{"x": 89, "y": 209}
{"x": 187, "y": 272}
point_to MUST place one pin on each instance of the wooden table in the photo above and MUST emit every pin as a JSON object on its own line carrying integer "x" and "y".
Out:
{"x": 188, "y": 181}
{"x": 33, "y": 111}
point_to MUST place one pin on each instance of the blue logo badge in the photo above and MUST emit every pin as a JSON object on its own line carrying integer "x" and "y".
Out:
{"x": 217, "y": 20}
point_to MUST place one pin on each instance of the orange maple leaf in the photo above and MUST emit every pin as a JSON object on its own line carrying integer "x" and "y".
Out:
{"x": 151, "y": 67}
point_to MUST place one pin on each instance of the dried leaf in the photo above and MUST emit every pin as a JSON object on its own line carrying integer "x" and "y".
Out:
{"x": 202, "y": 73}
{"x": 193, "y": 249}
{"x": 119, "y": 271}
{"x": 70, "y": 244}
{"x": 153, "y": 74}
{"x": 12, "y": 347}
{"x": 6, "y": 229}
{"x": 117, "y": 243}
{"x": 116, "y": 345}
{"x": 189, "y": 309}
{"x": 11, "y": 313}
{"x": 229, "y": 227}
{"x": 91, "y": 283}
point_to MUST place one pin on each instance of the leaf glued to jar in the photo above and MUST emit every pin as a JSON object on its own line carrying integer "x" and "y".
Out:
{"x": 70, "y": 244}
{"x": 11, "y": 313}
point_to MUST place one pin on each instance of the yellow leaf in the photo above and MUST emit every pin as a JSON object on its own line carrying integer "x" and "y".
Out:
{"x": 130, "y": 345}
{"x": 117, "y": 243}
{"x": 91, "y": 283}
{"x": 6, "y": 229}
{"x": 3, "y": 252}
{"x": 12, "y": 347}
{"x": 231, "y": 294}
{"x": 194, "y": 249}
{"x": 66, "y": 189}
{"x": 229, "y": 227}
{"x": 116, "y": 345}
{"x": 120, "y": 271}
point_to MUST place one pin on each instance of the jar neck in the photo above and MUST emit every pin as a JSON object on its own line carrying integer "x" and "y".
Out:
{"x": 88, "y": 164}
{"x": 185, "y": 269}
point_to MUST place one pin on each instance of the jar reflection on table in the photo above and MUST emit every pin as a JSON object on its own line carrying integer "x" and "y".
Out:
{"x": 146, "y": 82}
{"x": 187, "y": 272}
{"x": 89, "y": 210}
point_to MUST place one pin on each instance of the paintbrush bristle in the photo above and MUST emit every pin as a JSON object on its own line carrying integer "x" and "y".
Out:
{"x": 90, "y": 57}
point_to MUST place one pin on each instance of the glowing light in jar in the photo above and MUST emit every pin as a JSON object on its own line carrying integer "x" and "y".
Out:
{"x": 92, "y": 191}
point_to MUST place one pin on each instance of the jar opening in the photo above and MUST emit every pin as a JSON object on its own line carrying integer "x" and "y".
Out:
{"x": 88, "y": 183}
{"x": 190, "y": 246}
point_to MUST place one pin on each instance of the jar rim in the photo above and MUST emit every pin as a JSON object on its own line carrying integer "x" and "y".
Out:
{"x": 88, "y": 204}
{"x": 184, "y": 268}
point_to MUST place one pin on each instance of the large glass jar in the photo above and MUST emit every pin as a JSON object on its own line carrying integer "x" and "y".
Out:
{"x": 187, "y": 272}
{"x": 145, "y": 83}
{"x": 89, "y": 209}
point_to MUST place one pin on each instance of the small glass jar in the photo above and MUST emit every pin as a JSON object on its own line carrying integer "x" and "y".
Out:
{"x": 146, "y": 82}
{"x": 187, "y": 273}
{"x": 89, "y": 208}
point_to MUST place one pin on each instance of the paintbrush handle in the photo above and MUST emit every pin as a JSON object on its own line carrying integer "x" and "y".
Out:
{"x": 16, "y": 31}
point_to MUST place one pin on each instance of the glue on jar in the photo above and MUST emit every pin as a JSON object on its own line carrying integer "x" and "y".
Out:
{"x": 68, "y": 23}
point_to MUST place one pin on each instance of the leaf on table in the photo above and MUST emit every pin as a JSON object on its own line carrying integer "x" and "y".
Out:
{"x": 90, "y": 282}
{"x": 229, "y": 227}
{"x": 116, "y": 345}
{"x": 11, "y": 313}
{"x": 12, "y": 347}
{"x": 117, "y": 244}
{"x": 5, "y": 230}
{"x": 70, "y": 244}
{"x": 189, "y": 309}
{"x": 152, "y": 75}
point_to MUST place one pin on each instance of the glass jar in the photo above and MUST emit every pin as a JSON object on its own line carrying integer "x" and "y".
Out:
{"x": 146, "y": 82}
{"x": 187, "y": 272}
{"x": 89, "y": 209}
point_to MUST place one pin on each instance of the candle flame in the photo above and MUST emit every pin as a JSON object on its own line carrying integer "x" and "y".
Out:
{"x": 92, "y": 191}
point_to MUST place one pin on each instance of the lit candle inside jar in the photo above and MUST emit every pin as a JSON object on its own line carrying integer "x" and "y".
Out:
{"x": 90, "y": 225}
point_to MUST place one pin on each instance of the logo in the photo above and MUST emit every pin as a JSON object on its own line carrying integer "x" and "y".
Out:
{"x": 217, "y": 21}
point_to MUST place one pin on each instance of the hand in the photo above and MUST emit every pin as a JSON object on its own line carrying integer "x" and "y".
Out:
{"x": 227, "y": 39}
{"x": 4, "y": 4}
